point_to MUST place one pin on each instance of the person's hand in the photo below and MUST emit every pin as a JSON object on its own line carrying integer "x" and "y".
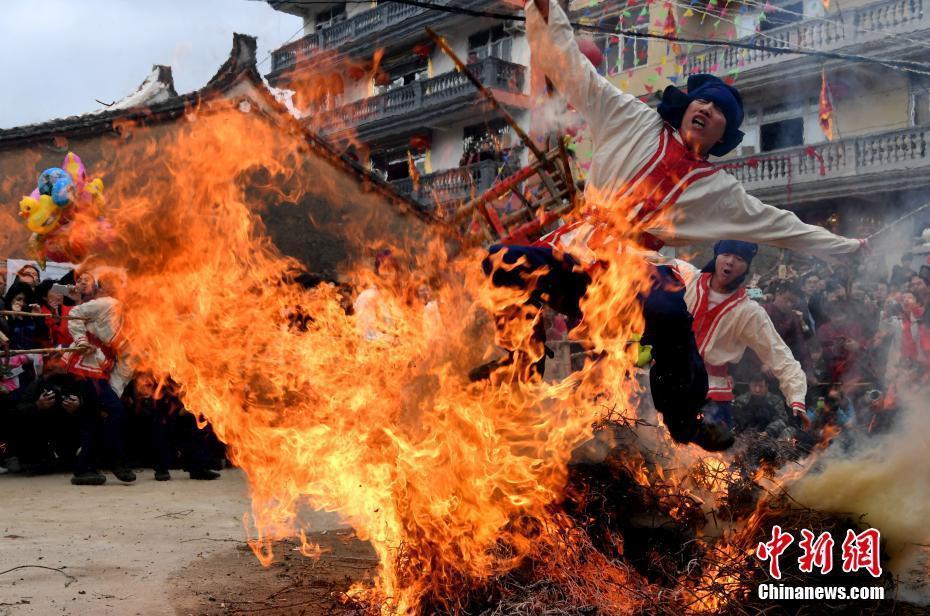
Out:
{"x": 865, "y": 248}
{"x": 805, "y": 420}
{"x": 46, "y": 400}
{"x": 71, "y": 404}
{"x": 85, "y": 348}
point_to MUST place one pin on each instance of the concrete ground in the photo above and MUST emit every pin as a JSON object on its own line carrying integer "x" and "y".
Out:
{"x": 122, "y": 548}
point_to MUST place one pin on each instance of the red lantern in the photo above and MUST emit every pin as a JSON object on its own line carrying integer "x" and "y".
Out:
{"x": 382, "y": 78}
{"x": 423, "y": 50}
{"x": 419, "y": 142}
{"x": 590, "y": 49}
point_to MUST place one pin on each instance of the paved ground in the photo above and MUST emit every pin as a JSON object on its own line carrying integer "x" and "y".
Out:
{"x": 143, "y": 548}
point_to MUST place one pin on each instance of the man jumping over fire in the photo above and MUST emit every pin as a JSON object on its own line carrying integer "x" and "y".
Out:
{"x": 652, "y": 168}
{"x": 726, "y": 323}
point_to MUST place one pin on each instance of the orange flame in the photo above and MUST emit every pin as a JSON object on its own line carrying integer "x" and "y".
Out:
{"x": 386, "y": 430}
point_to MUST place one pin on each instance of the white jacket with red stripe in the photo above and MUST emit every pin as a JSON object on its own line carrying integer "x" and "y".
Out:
{"x": 99, "y": 325}
{"x": 640, "y": 164}
{"x": 725, "y": 332}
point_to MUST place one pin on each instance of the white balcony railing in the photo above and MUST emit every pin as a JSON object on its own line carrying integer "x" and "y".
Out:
{"x": 422, "y": 96}
{"x": 877, "y": 22}
{"x": 902, "y": 151}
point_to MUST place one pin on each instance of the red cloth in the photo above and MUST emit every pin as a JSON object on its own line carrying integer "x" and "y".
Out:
{"x": 58, "y": 328}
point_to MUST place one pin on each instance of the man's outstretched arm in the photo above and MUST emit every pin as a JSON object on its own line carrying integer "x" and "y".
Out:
{"x": 720, "y": 208}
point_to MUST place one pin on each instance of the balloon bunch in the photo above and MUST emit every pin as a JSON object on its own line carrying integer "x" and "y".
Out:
{"x": 61, "y": 196}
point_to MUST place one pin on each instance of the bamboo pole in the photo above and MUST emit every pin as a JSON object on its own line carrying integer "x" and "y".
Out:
{"x": 38, "y": 315}
{"x": 45, "y": 351}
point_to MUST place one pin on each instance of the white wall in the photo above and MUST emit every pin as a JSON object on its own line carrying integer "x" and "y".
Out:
{"x": 812, "y": 131}
{"x": 446, "y": 150}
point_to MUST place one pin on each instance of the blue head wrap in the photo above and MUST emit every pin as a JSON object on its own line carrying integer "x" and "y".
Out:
{"x": 709, "y": 88}
{"x": 745, "y": 250}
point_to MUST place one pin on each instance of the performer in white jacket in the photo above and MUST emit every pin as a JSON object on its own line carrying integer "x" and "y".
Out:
{"x": 647, "y": 163}
{"x": 98, "y": 329}
{"x": 651, "y": 168}
{"x": 104, "y": 364}
{"x": 727, "y": 322}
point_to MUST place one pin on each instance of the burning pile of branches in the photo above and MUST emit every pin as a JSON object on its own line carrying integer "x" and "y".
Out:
{"x": 474, "y": 496}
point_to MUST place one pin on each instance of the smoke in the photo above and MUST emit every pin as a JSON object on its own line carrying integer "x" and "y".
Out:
{"x": 884, "y": 481}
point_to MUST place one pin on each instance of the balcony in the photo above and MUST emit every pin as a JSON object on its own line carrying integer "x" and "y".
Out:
{"x": 363, "y": 30}
{"x": 896, "y": 28}
{"x": 881, "y": 162}
{"x": 414, "y": 105}
{"x": 452, "y": 185}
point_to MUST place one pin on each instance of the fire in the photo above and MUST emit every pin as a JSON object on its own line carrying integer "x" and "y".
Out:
{"x": 434, "y": 471}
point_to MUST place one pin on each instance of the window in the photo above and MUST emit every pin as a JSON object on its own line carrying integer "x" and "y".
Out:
{"x": 782, "y": 134}
{"x": 327, "y": 18}
{"x": 622, "y": 53}
{"x": 483, "y": 141}
{"x": 635, "y": 51}
{"x": 494, "y": 42}
{"x": 394, "y": 165}
{"x": 400, "y": 77}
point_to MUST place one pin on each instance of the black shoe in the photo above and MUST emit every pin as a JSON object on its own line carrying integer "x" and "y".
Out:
{"x": 204, "y": 474}
{"x": 713, "y": 435}
{"x": 162, "y": 476}
{"x": 124, "y": 474}
{"x": 90, "y": 478}
{"x": 12, "y": 464}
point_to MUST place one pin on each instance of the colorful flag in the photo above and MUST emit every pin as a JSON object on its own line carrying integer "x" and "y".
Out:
{"x": 669, "y": 28}
{"x": 825, "y": 114}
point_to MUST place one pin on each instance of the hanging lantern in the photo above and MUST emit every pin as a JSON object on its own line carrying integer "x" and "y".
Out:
{"x": 419, "y": 142}
{"x": 423, "y": 49}
{"x": 382, "y": 78}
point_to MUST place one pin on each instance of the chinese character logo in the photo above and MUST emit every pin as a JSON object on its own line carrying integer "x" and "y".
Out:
{"x": 860, "y": 551}
{"x": 773, "y": 549}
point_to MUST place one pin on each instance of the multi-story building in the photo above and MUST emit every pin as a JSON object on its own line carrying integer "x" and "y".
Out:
{"x": 877, "y": 165}
{"x": 371, "y": 79}
{"x": 368, "y": 77}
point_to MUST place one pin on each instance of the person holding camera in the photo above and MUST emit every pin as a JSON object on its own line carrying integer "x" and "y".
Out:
{"x": 57, "y": 424}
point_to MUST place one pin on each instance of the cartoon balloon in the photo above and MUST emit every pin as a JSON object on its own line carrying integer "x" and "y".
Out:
{"x": 62, "y": 197}
{"x": 75, "y": 168}
{"x": 42, "y": 215}
{"x": 58, "y": 184}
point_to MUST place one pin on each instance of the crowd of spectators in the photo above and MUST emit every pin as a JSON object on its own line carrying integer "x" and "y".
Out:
{"x": 863, "y": 340}
{"x": 56, "y": 417}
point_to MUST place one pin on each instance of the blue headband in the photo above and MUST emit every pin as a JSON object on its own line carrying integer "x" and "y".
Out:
{"x": 711, "y": 88}
{"x": 744, "y": 250}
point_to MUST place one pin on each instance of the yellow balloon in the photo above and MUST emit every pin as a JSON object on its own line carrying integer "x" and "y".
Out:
{"x": 42, "y": 215}
{"x": 95, "y": 188}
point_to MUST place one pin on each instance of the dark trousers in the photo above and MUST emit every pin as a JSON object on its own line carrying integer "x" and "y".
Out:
{"x": 678, "y": 377}
{"x": 103, "y": 433}
{"x": 173, "y": 431}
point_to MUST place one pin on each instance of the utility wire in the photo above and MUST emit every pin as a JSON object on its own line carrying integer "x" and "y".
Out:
{"x": 903, "y": 65}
